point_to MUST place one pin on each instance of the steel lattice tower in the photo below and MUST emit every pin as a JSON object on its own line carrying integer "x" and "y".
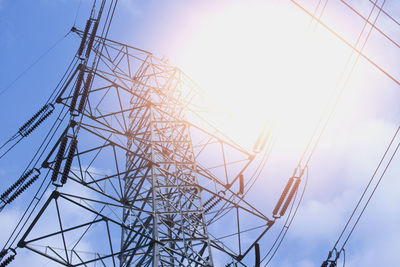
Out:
{"x": 167, "y": 189}
{"x": 130, "y": 173}
{"x": 139, "y": 178}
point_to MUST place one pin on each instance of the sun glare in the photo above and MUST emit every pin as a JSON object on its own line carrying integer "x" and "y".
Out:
{"x": 266, "y": 64}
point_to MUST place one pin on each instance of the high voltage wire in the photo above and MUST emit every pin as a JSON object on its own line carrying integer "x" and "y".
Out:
{"x": 377, "y": 66}
{"x": 77, "y": 11}
{"x": 37, "y": 60}
{"x": 262, "y": 163}
{"x": 58, "y": 87}
{"x": 387, "y": 14}
{"x": 356, "y": 208}
{"x": 321, "y": 13}
{"x": 373, "y": 192}
{"x": 42, "y": 148}
{"x": 372, "y": 25}
{"x": 95, "y": 63}
{"x": 346, "y": 42}
{"x": 278, "y": 241}
{"x": 345, "y": 82}
{"x": 334, "y": 104}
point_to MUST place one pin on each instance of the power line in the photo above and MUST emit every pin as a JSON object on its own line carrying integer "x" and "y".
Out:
{"x": 372, "y": 25}
{"x": 366, "y": 188}
{"x": 310, "y": 144}
{"x": 334, "y": 258}
{"x": 33, "y": 64}
{"x": 387, "y": 14}
{"x": 346, "y": 42}
{"x": 58, "y": 87}
{"x": 373, "y": 192}
{"x": 77, "y": 11}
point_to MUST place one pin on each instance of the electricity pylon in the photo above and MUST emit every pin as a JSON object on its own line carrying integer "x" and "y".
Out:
{"x": 139, "y": 177}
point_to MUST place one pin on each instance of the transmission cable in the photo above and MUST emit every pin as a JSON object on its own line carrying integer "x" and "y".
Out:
{"x": 346, "y": 80}
{"x": 373, "y": 26}
{"x": 54, "y": 129}
{"x": 318, "y": 126}
{"x": 356, "y": 208}
{"x": 33, "y": 64}
{"x": 19, "y": 133}
{"x": 347, "y": 43}
{"x": 77, "y": 11}
{"x": 387, "y": 14}
{"x": 41, "y": 149}
{"x": 41, "y": 154}
{"x": 60, "y": 122}
{"x": 338, "y": 95}
{"x": 286, "y": 226}
{"x": 380, "y": 69}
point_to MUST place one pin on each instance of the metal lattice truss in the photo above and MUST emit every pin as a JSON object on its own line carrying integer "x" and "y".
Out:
{"x": 147, "y": 178}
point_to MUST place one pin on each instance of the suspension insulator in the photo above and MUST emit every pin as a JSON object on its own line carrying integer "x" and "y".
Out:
{"x": 91, "y": 40}
{"x": 7, "y": 260}
{"x": 34, "y": 126}
{"x": 68, "y": 161}
{"x": 85, "y": 92}
{"x": 208, "y": 201}
{"x": 17, "y": 183}
{"x": 32, "y": 119}
{"x": 283, "y": 196}
{"x": 241, "y": 184}
{"x": 84, "y": 37}
{"x": 59, "y": 158}
{"x": 22, "y": 189}
{"x": 290, "y": 197}
{"x": 3, "y": 253}
{"x": 77, "y": 89}
{"x": 257, "y": 254}
{"x": 213, "y": 205}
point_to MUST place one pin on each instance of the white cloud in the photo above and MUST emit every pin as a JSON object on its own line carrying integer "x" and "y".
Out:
{"x": 337, "y": 178}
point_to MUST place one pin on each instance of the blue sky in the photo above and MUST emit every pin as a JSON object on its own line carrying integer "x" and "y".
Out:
{"x": 192, "y": 34}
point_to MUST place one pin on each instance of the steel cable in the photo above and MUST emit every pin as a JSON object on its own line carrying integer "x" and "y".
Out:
{"x": 328, "y": 118}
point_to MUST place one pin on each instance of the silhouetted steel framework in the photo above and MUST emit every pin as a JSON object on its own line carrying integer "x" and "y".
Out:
{"x": 139, "y": 178}
{"x": 148, "y": 177}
